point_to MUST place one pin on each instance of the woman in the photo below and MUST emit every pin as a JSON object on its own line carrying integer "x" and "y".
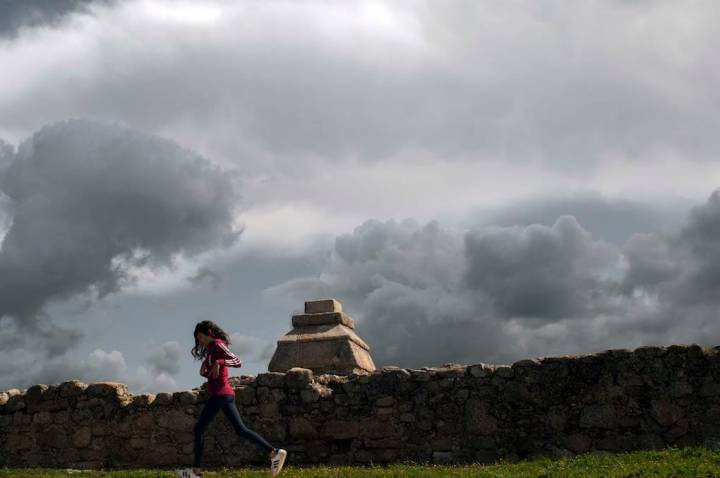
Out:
{"x": 211, "y": 345}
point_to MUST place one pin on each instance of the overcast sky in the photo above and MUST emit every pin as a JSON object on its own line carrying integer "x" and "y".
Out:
{"x": 474, "y": 181}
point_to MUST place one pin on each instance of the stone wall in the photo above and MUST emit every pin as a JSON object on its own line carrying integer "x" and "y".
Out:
{"x": 616, "y": 400}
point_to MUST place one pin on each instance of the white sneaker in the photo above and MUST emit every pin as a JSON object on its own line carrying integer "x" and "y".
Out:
{"x": 277, "y": 462}
{"x": 186, "y": 473}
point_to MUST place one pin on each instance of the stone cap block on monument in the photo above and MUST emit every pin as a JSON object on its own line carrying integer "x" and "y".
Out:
{"x": 323, "y": 318}
{"x": 321, "y": 306}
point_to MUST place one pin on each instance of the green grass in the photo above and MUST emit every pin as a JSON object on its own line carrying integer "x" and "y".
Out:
{"x": 670, "y": 462}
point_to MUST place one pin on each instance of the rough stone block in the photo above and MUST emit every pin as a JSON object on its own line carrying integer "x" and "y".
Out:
{"x": 323, "y": 318}
{"x": 298, "y": 377}
{"x": 107, "y": 389}
{"x": 322, "y": 305}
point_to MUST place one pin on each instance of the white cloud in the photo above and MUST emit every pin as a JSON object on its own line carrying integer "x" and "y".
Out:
{"x": 250, "y": 348}
{"x": 97, "y": 366}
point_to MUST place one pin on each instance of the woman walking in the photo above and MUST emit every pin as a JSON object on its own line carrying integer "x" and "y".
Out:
{"x": 211, "y": 345}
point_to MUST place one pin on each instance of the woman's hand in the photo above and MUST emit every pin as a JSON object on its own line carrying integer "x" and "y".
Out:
{"x": 215, "y": 370}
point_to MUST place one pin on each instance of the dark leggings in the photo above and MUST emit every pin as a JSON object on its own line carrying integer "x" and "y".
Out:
{"x": 227, "y": 403}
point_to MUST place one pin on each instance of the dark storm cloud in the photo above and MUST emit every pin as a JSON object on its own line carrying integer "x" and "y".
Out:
{"x": 7, "y": 155}
{"x": 7, "y": 152}
{"x": 567, "y": 84}
{"x": 700, "y": 238}
{"x": 90, "y": 201}
{"x": 683, "y": 268}
{"x": 611, "y": 219}
{"x": 425, "y": 295}
{"x": 536, "y": 271}
{"x": 166, "y": 359}
{"x": 15, "y": 14}
{"x": 205, "y": 274}
{"x": 651, "y": 263}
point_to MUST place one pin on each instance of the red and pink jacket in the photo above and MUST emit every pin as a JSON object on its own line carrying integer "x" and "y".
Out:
{"x": 217, "y": 352}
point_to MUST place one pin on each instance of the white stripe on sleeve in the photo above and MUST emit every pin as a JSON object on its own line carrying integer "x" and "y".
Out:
{"x": 231, "y": 360}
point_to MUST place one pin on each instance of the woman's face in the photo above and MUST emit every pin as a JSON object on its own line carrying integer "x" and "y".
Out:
{"x": 203, "y": 339}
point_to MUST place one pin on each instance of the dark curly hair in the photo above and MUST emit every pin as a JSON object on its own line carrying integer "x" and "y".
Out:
{"x": 207, "y": 327}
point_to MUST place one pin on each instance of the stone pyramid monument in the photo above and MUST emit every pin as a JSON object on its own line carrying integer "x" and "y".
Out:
{"x": 323, "y": 340}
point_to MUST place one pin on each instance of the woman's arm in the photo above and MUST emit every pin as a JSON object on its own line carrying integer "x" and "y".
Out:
{"x": 204, "y": 371}
{"x": 224, "y": 356}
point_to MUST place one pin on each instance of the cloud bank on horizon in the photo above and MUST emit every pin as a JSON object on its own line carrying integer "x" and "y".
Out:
{"x": 428, "y": 295}
{"x": 475, "y": 181}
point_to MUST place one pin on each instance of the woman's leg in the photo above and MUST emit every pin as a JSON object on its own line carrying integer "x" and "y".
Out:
{"x": 231, "y": 412}
{"x": 212, "y": 406}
